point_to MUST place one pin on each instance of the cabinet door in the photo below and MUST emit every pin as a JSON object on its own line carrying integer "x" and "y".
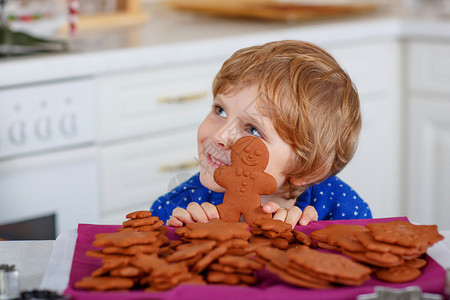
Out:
{"x": 374, "y": 170}
{"x": 429, "y": 67}
{"x": 134, "y": 174}
{"x": 429, "y": 161}
{"x": 63, "y": 183}
{"x": 146, "y": 102}
{"x": 428, "y": 176}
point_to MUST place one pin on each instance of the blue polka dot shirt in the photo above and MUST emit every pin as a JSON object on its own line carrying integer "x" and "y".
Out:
{"x": 333, "y": 199}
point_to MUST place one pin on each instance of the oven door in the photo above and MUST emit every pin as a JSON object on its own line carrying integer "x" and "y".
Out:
{"x": 60, "y": 186}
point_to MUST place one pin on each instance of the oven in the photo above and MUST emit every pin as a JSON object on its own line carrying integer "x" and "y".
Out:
{"x": 48, "y": 161}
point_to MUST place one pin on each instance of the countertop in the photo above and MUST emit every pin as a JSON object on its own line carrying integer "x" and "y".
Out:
{"x": 173, "y": 37}
{"x": 30, "y": 258}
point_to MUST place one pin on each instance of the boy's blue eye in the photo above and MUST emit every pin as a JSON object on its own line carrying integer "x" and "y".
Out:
{"x": 254, "y": 131}
{"x": 220, "y": 111}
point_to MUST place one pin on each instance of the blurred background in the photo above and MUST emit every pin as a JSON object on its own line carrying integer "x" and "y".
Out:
{"x": 100, "y": 100}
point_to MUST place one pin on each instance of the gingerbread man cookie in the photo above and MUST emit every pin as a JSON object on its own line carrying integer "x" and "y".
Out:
{"x": 244, "y": 180}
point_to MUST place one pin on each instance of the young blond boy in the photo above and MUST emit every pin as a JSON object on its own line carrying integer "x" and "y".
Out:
{"x": 296, "y": 98}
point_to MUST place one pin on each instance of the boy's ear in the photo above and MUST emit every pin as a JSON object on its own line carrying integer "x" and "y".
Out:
{"x": 298, "y": 181}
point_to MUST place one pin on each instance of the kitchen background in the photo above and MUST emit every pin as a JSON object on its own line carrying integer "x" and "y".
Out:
{"x": 99, "y": 103}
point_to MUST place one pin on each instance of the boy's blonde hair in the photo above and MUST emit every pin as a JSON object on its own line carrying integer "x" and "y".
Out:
{"x": 311, "y": 101}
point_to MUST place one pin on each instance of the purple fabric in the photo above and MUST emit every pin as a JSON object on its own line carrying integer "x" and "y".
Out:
{"x": 432, "y": 279}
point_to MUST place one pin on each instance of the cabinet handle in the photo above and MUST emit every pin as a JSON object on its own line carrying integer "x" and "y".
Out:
{"x": 178, "y": 167}
{"x": 182, "y": 98}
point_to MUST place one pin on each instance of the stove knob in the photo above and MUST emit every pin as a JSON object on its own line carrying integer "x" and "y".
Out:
{"x": 16, "y": 132}
{"x": 68, "y": 124}
{"x": 43, "y": 128}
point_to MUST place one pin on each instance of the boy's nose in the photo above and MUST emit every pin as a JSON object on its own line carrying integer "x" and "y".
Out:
{"x": 225, "y": 137}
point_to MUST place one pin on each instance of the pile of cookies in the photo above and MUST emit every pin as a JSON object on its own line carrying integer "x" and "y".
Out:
{"x": 123, "y": 253}
{"x": 277, "y": 234}
{"x": 305, "y": 267}
{"x": 140, "y": 255}
{"x": 393, "y": 250}
{"x": 219, "y": 250}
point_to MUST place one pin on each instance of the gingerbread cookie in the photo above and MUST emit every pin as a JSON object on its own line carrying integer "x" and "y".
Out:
{"x": 240, "y": 262}
{"x": 126, "y": 271}
{"x": 133, "y": 250}
{"x": 376, "y": 259}
{"x": 277, "y": 261}
{"x": 155, "y": 226}
{"x": 168, "y": 276}
{"x": 278, "y": 232}
{"x": 332, "y": 267}
{"x": 148, "y": 263}
{"x": 109, "y": 264}
{"x": 104, "y": 283}
{"x": 191, "y": 251}
{"x": 273, "y": 225}
{"x": 229, "y": 269}
{"x": 205, "y": 261}
{"x": 405, "y": 234}
{"x": 125, "y": 239}
{"x": 329, "y": 236}
{"x": 350, "y": 244}
{"x": 303, "y": 238}
{"x": 140, "y": 222}
{"x": 244, "y": 180}
{"x": 370, "y": 243}
{"x": 140, "y": 214}
{"x": 398, "y": 274}
{"x": 218, "y": 230}
{"x": 225, "y": 278}
{"x": 417, "y": 263}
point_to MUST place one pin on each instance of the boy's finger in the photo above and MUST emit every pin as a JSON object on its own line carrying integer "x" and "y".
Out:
{"x": 174, "y": 222}
{"x": 270, "y": 207}
{"x": 293, "y": 215}
{"x": 311, "y": 211}
{"x": 197, "y": 212}
{"x": 182, "y": 215}
{"x": 210, "y": 210}
{"x": 309, "y": 215}
{"x": 280, "y": 214}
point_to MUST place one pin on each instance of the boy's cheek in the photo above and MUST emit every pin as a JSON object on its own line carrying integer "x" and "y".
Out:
{"x": 217, "y": 188}
{"x": 208, "y": 181}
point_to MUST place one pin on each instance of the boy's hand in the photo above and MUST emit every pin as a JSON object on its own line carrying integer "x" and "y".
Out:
{"x": 291, "y": 215}
{"x": 193, "y": 213}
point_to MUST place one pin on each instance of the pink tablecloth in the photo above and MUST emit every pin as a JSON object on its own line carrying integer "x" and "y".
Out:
{"x": 432, "y": 279}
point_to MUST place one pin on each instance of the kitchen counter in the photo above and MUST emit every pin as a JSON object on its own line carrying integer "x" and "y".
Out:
{"x": 171, "y": 37}
{"x": 30, "y": 258}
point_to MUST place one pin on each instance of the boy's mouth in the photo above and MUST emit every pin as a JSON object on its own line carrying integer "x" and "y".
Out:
{"x": 215, "y": 162}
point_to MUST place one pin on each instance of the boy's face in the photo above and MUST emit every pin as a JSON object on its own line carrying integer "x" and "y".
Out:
{"x": 233, "y": 116}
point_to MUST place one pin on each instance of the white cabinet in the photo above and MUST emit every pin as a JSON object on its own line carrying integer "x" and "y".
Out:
{"x": 63, "y": 183}
{"x": 428, "y": 96}
{"x": 374, "y": 171}
{"x": 136, "y": 173}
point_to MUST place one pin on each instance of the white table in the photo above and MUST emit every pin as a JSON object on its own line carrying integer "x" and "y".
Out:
{"x": 46, "y": 264}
